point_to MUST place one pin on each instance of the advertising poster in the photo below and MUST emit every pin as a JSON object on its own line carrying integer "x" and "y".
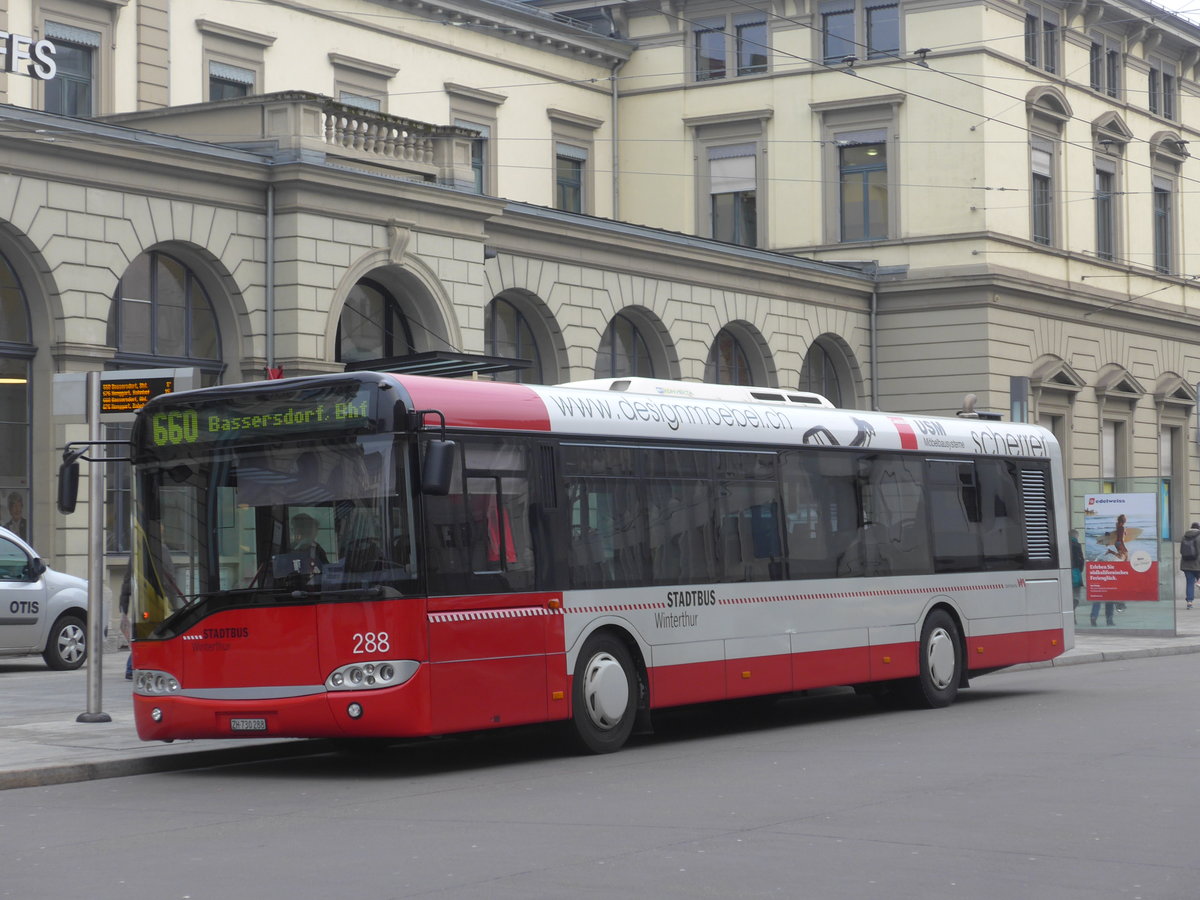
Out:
{"x": 1120, "y": 547}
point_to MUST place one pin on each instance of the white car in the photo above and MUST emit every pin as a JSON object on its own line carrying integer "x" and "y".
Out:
{"x": 41, "y": 611}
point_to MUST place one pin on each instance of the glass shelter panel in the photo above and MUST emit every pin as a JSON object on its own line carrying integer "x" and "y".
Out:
{"x": 1143, "y": 543}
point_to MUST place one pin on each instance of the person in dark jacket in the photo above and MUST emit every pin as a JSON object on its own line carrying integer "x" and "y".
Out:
{"x": 1189, "y": 561}
{"x": 126, "y": 626}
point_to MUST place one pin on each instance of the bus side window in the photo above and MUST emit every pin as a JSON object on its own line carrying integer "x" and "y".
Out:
{"x": 751, "y": 547}
{"x": 607, "y": 517}
{"x": 954, "y": 515}
{"x": 842, "y": 487}
{"x": 1002, "y": 523}
{"x": 498, "y": 507}
{"x": 810, "y": 515}
{"x": 590, "y": 548}
{"x": 898, "y": 508}
{"x": 680, "y": 533}
{"x": 492, "y": 541}
{"x": 747, "y": 491}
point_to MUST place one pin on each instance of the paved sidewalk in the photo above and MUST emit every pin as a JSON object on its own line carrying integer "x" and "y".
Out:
{"x": 42, "y": 743}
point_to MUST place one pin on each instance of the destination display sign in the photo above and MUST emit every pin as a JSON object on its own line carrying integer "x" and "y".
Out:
{"x": 126, "y": 395}
{"x": 263, "y": 417}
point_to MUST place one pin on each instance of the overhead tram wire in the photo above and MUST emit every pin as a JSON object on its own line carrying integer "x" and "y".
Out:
{"x": 775, "y": 52}
{"x": 984, "y": 119}
{"x": 896, "y": 57}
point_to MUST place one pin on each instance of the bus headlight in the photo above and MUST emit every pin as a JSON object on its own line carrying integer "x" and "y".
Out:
{"x": 365, "y": 676}
{"x": 151, "y": 683}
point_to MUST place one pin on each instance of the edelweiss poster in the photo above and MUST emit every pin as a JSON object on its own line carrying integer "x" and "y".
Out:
{"x": 1120, "y": 547}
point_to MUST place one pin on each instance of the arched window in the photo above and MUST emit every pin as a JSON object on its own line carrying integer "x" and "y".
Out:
{"x": 16, "y": 351}
{"x": 623, "y": 351}
{"x": 372, "y": 325}
{"x": 506, "y": 332}
{"x": 819, "y": 374}
{"x": 162, "y": 317}
{"x": 161, "y": 312}
{"x": 727, "y": 361}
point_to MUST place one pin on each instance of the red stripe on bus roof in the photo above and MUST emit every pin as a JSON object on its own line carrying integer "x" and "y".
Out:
{"x": 478, "y": 404}
{"x": 908, "y": 437}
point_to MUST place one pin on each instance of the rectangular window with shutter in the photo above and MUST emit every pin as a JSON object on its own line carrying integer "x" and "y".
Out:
{"x": 733, "y": 190}
{"x": 1042, "y": 191}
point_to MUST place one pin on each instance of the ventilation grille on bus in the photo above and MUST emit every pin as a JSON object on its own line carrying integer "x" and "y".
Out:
{"x": 1036, "y": 494}
{"x": 808, "y": 399}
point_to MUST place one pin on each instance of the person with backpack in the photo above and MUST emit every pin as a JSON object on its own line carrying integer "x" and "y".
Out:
{"x": 1189, "y": 560}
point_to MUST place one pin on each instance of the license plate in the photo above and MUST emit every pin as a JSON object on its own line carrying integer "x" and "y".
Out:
{"x": 247, "y": 724}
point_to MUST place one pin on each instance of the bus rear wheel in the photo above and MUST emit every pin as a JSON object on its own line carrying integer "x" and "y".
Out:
{"x": 604, "y": 695}
{"x": 941, "y": 662}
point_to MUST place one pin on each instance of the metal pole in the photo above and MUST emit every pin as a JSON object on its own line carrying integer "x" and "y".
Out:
{"x": 96, "y": 617}
{"x": 270, "y": 279}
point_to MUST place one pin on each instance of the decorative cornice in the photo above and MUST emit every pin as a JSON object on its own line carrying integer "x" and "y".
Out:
{"x": 823, "y": 106}
{"x": 570, "y": 118}
{"x": 742, "y": 115}
{"x": 207, "y": 26}
{"x": 361, "y": 65}
{"x": 470, "y": 93}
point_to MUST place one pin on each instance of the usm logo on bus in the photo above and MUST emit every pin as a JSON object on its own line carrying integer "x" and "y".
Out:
{"x": 929, "y": 428}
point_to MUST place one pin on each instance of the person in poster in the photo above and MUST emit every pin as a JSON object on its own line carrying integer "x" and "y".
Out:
{"x": 1118, "y": 548}
{"x": 16, "y": 522}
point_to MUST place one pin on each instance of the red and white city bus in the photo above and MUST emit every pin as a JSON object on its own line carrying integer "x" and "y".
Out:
{"x": 381, "y": 555}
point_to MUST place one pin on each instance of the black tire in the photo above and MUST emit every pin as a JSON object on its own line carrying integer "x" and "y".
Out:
{"x": 66, "y": 645}
{"x": 941, "y": 662}
{"x": 604, "y": 695}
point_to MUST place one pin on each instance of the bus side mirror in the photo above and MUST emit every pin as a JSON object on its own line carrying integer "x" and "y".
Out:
{"x": 438, "y": 469}
{"x": 68, "y": 486}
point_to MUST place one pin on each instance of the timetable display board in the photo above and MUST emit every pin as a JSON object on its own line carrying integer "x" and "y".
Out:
{"x": 128, "y": 395}
{"x": 124, "y": 392}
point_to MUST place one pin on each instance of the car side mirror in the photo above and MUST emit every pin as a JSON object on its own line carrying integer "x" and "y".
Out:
{"x": 37, "y": 568}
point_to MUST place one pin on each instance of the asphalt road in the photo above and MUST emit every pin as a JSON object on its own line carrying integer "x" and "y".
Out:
{"x": 1056, "y": 783}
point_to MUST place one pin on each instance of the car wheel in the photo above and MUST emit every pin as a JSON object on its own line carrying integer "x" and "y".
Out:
{"x": 66, "y": 647}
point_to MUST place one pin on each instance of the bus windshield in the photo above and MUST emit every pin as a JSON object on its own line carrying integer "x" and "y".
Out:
{"x": 229, "y": 526}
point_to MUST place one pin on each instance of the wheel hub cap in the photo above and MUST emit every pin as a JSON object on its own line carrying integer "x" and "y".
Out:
{"x": 70, "y": 644}
{"x": 941, "y": 658}
{"x": 605, "y": 690}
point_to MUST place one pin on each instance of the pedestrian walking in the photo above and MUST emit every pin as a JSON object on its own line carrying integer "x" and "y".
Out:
{"x": 126, "y": 626}
{"x": 1077, "y": 562}
{"x": 1189, "y": 561}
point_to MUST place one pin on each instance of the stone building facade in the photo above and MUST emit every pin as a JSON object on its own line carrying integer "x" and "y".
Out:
{"x": 243, "y": 187}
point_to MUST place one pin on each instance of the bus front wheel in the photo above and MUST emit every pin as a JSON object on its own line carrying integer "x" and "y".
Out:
{"x": 604, "y": 694}
{"x": 941, "y": 662}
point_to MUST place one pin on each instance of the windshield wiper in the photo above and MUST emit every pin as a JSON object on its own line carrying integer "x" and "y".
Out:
{"x": 378, "y": 590}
